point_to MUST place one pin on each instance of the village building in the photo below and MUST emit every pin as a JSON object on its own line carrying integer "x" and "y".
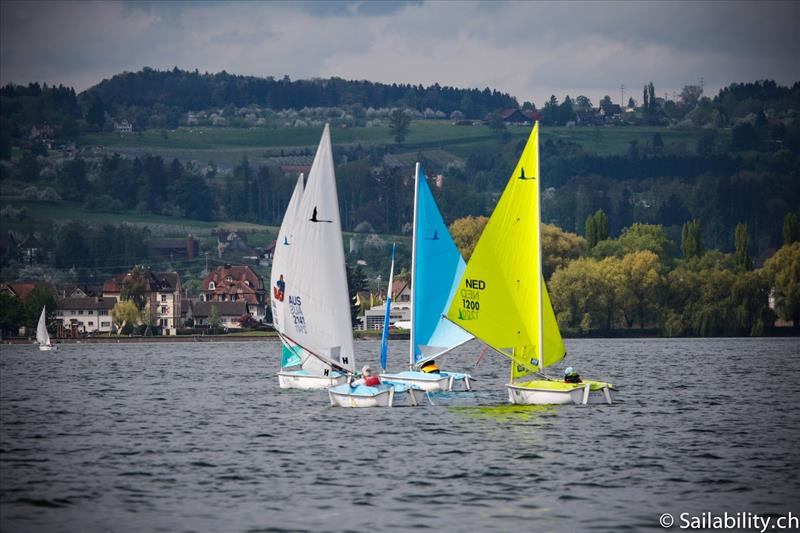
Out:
{"x": 514, "y": 116}
{"x": 18, "y": 290}
{"x": 84, "y": 315}
{"x": 163, "y": 297}
{"x": 400, "y": 311}
{"x": 229, "y": 313}
{"x": 187, "y": 248}
{"x": 236, "y": 283}
{"x": 233, "y": 242}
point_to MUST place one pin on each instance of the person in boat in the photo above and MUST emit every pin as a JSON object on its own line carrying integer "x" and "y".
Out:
{"x": 368, "y": 378}
{"x": 429, "y": 367}
{"x": 571, "y": 376}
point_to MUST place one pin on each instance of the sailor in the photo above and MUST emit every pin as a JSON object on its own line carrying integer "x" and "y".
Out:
{"x": 368, "y": 378}
{"x": 571, "y": 376}
{"x": 429, "y": 367}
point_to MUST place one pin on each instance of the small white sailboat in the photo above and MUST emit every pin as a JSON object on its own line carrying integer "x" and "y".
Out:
{"x": 436, "y": 269}
{"x": 42, "y": 337}
{"x": 503, "y": 299}
{"x": 310, "y": 302}
{"x": 377, "y": 392}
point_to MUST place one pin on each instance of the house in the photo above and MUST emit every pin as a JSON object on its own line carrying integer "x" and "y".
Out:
{"x": 585, "y": 117}
{"x": 233, "y": 242}
{"x": 82, "y": 315}
{"x": 401, "y": 308}
{"x": 610, "y": 111}
{"x": 234, "y": 283}
{"x": 30, "y": 249}
{"x": 162, "y": 297}
{"x": 71, "y": 290}
{"x": 19, "y": 290}
{"x": 123, "y": 127}
{"x": 229, "y": 313}
{"x": 187, "y": 248}
{"x": 514, "y": 116}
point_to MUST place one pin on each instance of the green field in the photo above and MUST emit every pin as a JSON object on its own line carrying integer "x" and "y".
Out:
{"x": 161, "y": 226}
{"x": 226, "y": 146}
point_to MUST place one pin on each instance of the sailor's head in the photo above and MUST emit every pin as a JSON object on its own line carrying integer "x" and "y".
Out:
{"x": 569, "y": 372}
{"x": 366, "y": 370}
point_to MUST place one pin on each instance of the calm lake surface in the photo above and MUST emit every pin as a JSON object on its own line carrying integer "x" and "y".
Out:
{"x": 198, "y": 437}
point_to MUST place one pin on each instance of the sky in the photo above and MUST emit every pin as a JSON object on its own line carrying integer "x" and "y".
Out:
{"x": 529, "y": 49}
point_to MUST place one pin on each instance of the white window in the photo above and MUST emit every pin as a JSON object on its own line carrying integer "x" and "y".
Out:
{"x": 91, "y": 323}
{"x": 105, "y": 324}
{"x": 89, "y": 312}
{"x": 163, "y": 297}
{"x": 211, "y": 286}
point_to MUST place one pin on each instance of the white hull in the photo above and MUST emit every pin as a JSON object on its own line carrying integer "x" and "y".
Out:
{"x": 528, "y": 396}
{"x": 426, "y": 382}
{"x": 295, "y": 380}
{"x": 47, "y": 347}
{"x": 580, "y": 395}
{"x": 383, "y": 398}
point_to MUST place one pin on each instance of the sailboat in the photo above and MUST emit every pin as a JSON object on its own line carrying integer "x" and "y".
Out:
{"x": 502, "y": 298}
{"x": 42, "y": 337}
{"x": 381, "y": 394}
{"x": 310, "y": 301}
{"x": 436, "y": 269}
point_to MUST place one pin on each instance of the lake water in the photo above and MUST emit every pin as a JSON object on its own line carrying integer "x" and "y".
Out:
{"x": 198, "y": 437}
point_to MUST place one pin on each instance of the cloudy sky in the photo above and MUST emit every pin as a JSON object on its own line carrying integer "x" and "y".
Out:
{"x": 529, "y": 49}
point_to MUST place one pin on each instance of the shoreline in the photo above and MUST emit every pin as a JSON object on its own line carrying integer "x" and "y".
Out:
{"x": 358, "y": 336}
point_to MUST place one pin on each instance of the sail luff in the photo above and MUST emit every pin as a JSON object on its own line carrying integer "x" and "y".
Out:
{"x": 412, "y": 347}
{"x": 540, "y": 340}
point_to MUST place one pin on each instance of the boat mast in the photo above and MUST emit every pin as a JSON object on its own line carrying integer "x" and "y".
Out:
{"x": 539, "y": 255}
{"x": 413, "y": 268}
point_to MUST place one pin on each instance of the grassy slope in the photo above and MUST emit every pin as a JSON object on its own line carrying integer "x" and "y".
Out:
{"x": 226, "y": 145}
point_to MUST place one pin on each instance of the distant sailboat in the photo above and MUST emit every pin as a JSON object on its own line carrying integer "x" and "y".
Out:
{"x": 310, "y": 301}
{"x": 436, "y": 270}
{"x": 42, "y": 337}
{"x": 503, "y": 299}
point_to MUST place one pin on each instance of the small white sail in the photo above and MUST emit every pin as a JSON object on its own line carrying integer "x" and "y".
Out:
{"x": 316, "y": 299}
{"x": 42, "y": 337}
{"x": 283, "y": 247}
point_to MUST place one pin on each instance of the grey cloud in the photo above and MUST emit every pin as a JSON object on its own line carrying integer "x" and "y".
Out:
{"x": 531, "y": 49}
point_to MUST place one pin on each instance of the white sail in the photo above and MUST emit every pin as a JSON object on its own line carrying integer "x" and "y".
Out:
{"x": 316, "y": 299}
{"x": 283, "y": 247}
{"x": 42, "y": 337}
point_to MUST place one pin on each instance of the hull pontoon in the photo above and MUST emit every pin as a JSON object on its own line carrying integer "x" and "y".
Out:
{"x": 547, "y": 392}
{"x": 302, "y": 379}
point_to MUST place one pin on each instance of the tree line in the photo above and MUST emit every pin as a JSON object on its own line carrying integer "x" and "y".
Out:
{"x": 640, "y": 281}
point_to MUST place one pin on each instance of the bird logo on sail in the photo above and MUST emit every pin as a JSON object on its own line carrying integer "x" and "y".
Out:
{"x": 435, "y": 236}
{"x": 522, "y": 175}
{"x": 314, "y": 217}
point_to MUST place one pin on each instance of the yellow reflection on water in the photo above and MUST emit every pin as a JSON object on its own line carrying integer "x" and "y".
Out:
{"x": 505, "y": 413}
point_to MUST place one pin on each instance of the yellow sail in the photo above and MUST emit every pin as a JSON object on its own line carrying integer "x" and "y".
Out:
{"x": 498, "y": 297}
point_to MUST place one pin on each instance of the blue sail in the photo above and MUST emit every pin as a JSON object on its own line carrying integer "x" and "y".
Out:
{"x": 437, "y": 271}
{"x": 385, "y": 335}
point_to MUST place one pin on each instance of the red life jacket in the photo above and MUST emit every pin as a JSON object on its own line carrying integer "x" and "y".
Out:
{"x": 371, "y": 381}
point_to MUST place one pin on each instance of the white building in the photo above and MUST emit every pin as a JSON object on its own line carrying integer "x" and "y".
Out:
{"x": 85, "y": 315}
{"x": 401, "y": 308}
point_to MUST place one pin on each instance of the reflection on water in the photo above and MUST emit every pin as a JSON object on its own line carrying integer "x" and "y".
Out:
{"x": 198, "y": 437}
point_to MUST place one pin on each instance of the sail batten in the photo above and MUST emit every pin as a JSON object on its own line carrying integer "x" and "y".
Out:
{"x": 502, "y": 298}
